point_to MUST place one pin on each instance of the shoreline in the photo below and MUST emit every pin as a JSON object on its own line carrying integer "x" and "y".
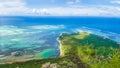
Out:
{"x": 61, "y": 53}
{"x": 30, "y": 59}
{"x": 60, "y": 47}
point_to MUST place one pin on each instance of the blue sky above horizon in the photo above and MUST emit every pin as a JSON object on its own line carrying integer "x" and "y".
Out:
{"x": 60, "y": 7}
{"x": 55, "y": 3}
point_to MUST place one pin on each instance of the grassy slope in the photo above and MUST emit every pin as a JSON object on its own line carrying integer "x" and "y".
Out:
{"x": 63, "y": 62}
{"x": 95, "y": 51}
{"x": 81, "y": 50}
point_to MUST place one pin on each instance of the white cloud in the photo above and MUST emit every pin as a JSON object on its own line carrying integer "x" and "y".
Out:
{"x": 18, "y": 7}
{"x": 73, "y": 1}
{"x": 78, "y": 1}
{"x": 116, "y": 2}
{"x": 83, "y": 11}
{"x": 70, "y": 2}
{"x": 11, "y": 7}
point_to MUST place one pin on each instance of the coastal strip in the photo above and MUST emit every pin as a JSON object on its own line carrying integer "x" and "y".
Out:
{"x": 19, "y": 61}
{"x": 60, "y": 45}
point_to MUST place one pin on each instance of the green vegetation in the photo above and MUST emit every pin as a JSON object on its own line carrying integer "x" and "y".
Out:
{"x": 78, "y": 50}
{"x": 60, "y": 62}
{"x": 95, "y": 51}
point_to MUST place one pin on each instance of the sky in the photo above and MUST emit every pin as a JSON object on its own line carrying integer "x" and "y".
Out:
{"x": 60, "y": 7}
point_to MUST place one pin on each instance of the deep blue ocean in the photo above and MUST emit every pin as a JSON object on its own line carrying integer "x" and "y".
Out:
{"x": 32, "y": 37}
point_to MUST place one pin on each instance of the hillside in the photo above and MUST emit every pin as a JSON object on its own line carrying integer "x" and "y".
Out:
{"x": 78, "y": 50}
{"x": 92, "y": 50}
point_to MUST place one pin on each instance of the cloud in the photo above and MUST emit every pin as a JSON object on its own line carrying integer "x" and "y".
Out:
{"x": 82, "y": 11}
{"x": 18, "y": 7}
{"x": 73, "y": 1}
{"x": 70, "y": 2}
{"x": 116, "y": 2}
{"x": 13, "y": 7}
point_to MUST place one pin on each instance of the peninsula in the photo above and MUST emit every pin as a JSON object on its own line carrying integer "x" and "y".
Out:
{"x": 78, "y": 50}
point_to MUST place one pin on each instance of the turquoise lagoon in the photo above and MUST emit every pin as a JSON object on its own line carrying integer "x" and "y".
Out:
{"x": 26, "y": 38}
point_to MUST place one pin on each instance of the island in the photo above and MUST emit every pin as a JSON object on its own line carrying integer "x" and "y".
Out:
{"x": 78, "y": 50}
